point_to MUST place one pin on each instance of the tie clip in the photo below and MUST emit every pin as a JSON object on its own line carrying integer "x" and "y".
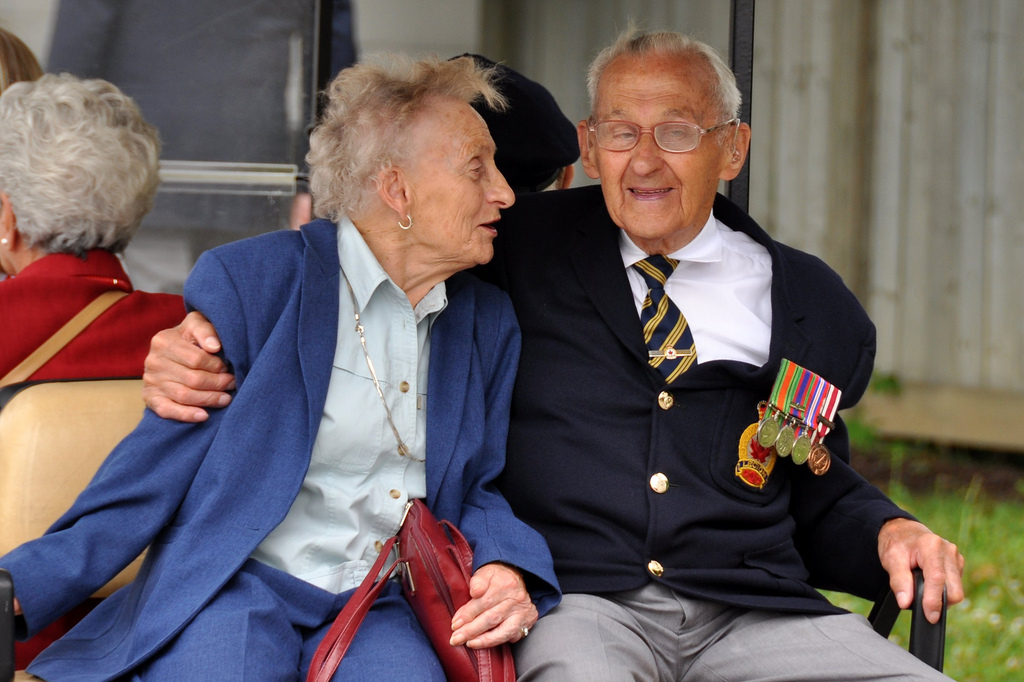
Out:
{"x": 670, "y": 353}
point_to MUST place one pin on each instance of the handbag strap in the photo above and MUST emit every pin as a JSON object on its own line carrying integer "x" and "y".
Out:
{"x": 337, "y": 640}
{"x": 40, "y": 356}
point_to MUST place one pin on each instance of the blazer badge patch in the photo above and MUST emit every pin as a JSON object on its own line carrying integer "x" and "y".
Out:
{"x": 755, "y": 462}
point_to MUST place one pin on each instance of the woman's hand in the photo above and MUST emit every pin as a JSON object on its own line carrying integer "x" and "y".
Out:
{"x": 499, "y": 611}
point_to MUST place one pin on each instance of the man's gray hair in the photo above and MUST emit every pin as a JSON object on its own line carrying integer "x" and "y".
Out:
{"x": 79, "y": 163}
{"x": 635, "y": 43}
{"x": 364, "y": 128}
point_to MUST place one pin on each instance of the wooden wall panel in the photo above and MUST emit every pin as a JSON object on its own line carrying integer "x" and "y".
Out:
{"x": 888, "y": 139}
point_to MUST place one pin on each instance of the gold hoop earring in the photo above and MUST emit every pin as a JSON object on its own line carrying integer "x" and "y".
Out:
{"x": 406, "y": 227}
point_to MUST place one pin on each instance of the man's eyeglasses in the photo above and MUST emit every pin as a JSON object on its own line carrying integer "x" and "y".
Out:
{"x": 672, "y": 136}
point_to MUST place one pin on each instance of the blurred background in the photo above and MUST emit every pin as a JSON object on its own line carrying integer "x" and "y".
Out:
{"x": 888, "y": 139}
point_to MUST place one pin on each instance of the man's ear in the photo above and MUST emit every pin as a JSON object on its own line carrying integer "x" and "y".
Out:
{"x": 588, "y": 152}
{"x": 735, "y": 152}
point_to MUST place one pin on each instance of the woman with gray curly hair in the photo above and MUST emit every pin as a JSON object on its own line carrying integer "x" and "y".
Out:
{"x": 370, "y": 372}
{"x": 78, "y": 171}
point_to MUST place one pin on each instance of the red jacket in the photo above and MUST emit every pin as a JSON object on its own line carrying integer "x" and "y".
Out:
{"x": 50, "y": 291}
{"x": 38, "y": 302}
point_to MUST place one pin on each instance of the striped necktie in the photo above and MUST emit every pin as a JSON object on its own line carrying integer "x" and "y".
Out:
{"x": 669, "y": 340}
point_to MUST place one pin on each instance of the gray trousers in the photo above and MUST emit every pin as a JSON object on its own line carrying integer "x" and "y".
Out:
{"x": 653, "y": 633}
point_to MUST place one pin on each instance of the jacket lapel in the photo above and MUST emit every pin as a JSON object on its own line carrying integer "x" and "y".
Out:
{"x": 597, "y": 262}
{"x": 451, "y": 347}
{"x": 318, "y": 315}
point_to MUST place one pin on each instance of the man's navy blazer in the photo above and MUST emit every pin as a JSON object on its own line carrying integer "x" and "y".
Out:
{"x": 590, "y": 426}
{"x": 203, "y": 496}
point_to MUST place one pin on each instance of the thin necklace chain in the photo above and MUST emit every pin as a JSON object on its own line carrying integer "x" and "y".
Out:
{"x": 403, "y": 449}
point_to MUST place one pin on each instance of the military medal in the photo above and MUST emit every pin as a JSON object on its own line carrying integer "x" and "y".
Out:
{"x": 767, "y": 432}
{"x": 793, "y": 422}
{"x": 802, "y": 448}
{"x": 819, "y": 459}
{"x": 784, "y": 443}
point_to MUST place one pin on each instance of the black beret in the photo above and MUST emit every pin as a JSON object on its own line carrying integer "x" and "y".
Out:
{"x": 535, "y": 139}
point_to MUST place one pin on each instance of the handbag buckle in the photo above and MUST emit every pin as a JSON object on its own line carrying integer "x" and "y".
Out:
{"x": 407, "y": 576}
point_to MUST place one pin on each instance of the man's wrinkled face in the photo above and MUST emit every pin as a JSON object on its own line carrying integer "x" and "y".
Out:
{"x": 661, "y": 199}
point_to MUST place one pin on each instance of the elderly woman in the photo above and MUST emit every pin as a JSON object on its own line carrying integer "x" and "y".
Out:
{"x": 78, "y": 171}
{"x": 369, "y": 372}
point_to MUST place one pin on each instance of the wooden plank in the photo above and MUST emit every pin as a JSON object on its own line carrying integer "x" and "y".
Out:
{"x": 887, "y": 178}
{"x": 970, "y": 142}
{"x": 918, "y": 333}
{"x": 788, "y": 163}
{"x": 818, "y": 125}
{"x": 947, "y": 415}
{"x": 1004, "y": 229}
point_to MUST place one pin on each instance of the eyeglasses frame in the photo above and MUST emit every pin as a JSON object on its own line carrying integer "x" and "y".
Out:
{"x": 592, "y": 125}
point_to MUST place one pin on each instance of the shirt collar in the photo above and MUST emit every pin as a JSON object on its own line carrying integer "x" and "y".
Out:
{"x": 706, "y": 247}
{"x": 358, "y": 264}
{"x": 365, "y": 274}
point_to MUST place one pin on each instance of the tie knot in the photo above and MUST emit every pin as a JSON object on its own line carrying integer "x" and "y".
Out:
{"x": 656, "y": 270}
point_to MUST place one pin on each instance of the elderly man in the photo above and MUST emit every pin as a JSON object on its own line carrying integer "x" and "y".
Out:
{"x": 655, "y": 319}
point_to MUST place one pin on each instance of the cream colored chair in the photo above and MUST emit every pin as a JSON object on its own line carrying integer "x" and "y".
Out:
{"x": 53, "y": 438}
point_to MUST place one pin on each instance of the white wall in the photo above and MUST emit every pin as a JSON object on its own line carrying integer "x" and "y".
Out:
{"x": 443, "y": 27}
{"x": 32, "y": 21}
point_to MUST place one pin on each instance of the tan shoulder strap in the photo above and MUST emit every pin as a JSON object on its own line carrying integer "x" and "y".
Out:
{"x": 62, "y": 337}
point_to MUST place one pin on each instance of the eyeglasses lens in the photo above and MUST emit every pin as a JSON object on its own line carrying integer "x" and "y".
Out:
{"x": 670, "y": 136}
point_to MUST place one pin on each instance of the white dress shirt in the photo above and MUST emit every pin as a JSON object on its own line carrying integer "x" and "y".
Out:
{"x": 722, "y": 285}
{"x": 355, "y": 491}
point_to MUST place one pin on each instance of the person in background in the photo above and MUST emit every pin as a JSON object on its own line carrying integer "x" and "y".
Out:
{"x": 370, "y": 372}
{"x": 78, "y": 170}
{"x": 686, "y": 548}
{"x": 17, "y": 63}
{"x": 536, "y": 142}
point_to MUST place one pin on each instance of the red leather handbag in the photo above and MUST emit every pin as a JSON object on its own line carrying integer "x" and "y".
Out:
{"x": 437, "y": 563}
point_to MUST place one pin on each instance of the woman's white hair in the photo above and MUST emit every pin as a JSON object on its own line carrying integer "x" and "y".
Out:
{"x": 79, "y": 163}
{"x": 365, "y": 124}
{"x": 721, "y": 82}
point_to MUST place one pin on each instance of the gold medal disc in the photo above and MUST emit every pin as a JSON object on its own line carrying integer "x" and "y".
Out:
{"x": 767, "y": 432}
{"x": 819, "y": 459}
{"x": 801, "y": 449}
{"x": 784, "y": 443}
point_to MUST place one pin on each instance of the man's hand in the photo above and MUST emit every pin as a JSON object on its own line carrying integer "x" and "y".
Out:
{"x": 181, "y": 373}
{"x": 903, "y": 545}
{"x": 498, "y": 611}
{"x": 17, "y": 607}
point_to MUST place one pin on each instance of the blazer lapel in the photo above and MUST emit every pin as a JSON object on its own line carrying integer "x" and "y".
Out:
{"x": 318, "y": 316}
{"x": 451, "y": 347}
{"x": 597, "y": 262}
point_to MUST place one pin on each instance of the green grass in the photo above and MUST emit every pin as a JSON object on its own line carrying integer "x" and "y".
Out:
{"x": 985, "y": 633}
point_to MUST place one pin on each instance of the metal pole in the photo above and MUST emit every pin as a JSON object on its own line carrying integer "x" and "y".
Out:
{"x": 741, "y": 58}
